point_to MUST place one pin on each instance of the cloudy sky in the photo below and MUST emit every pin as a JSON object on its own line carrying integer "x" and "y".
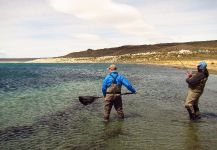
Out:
{"x": 47, "y": 28}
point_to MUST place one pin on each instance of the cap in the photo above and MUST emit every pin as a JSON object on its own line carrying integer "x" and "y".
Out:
{"x": 113, "y": 67}
{"x": 202, "y": 65}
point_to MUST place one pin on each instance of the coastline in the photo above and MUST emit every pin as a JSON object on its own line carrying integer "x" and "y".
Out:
{"x": 189, "y": 64}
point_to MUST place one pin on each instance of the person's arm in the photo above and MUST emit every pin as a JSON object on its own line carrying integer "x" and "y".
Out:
{"x": 195, "y": 79}
{"x": 128, "y": 85}
{"x": 104, "y": 86}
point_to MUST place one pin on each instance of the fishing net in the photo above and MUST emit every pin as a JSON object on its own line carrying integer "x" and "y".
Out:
{"x": 85, "y": 100}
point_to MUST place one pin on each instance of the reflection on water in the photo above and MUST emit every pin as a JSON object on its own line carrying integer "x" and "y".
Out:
{"x": 113, "y": 130}
{"x": 112, "y": 133}
{"x": 192, "y": 137}
{"x": 40, "y": 109}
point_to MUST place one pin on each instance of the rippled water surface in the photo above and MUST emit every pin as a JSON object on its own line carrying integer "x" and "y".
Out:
{"x": 39, "y": 109}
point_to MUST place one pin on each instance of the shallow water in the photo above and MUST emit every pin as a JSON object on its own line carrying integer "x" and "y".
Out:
{"x": 39, "y": 109}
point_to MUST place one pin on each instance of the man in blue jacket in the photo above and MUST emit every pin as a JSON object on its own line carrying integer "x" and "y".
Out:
{"x": 111, "y": 89}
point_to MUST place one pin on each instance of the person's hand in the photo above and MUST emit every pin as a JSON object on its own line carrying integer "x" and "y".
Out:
{"x": 189, "y": 74}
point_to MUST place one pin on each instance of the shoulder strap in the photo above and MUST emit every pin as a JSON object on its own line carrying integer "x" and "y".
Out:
{"x": 114, "y": 78}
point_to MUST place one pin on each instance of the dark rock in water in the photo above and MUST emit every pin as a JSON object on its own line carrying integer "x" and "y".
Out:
{"x": 55, "y": 122}
{"x": 16, "y": 132}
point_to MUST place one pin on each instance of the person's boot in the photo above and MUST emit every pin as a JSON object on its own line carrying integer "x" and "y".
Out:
{"x": 191, "y": 115}
{"x": 197, "y": 116}
{"x": 197, "y": 112}
{"x": 106, "y": 118}
{"x": 121, "y": 115}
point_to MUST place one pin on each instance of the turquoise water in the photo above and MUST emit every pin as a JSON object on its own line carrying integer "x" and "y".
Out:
{"x": 39, "y": 109}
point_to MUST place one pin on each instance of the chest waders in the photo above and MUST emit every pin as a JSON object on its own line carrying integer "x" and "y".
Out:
{"x": 113, "y": 98}
{"x": 114, "y": 88}
{"x": 199, "y": 87}
{"x": 194, "y": 94}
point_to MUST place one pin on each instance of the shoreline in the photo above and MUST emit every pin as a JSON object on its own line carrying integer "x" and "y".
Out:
{"x": 184, "y": 64}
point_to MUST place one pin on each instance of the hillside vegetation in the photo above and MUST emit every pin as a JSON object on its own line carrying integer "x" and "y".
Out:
{"x": 165, "y": 47}
{"x": 170, "y": 54}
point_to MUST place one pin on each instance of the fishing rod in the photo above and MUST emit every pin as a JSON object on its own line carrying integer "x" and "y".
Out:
{"x": 182, "y": 64}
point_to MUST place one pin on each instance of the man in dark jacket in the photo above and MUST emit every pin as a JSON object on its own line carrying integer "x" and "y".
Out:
{"x": 196, "y": 84}
{"x": 111, "y": 89}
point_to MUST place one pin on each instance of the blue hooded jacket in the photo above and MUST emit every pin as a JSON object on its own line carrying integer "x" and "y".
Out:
{"x": 120, "y": 80}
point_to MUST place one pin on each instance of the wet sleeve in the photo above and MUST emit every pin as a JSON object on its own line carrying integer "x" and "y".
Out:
{"x": 195, "y": 79}
{"x": 128, "y": 85}
{"x": 104, "y": 87}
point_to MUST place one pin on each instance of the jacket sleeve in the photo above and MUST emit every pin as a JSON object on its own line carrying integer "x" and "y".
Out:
{"x": 128, "y": 85}
{"x": 104, "y": 86}
{"x": 195, "y": 79}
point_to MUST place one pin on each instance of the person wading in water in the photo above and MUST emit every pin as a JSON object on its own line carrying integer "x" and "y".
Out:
{"x": 196, "y": 84}
{"x": 111, "y": 89}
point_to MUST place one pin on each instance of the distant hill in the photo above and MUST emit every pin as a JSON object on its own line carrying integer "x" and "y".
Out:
{"x": 130, "y": 49}
{"x": 16, "y": 59}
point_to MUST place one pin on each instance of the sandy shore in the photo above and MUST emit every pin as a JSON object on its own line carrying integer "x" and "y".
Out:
{"x": 191, "y": 64}
{"x": 212, "y": 64}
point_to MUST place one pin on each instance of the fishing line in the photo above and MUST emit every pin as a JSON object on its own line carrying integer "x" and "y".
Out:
{"x": 182, "y": 64}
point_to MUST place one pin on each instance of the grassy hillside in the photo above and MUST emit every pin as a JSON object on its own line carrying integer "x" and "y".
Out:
{"x": 165, "y": 47}
{"x": 169, "y": 54}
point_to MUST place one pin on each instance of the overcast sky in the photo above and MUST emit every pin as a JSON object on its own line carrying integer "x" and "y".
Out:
{"x": 47, "y": 28}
